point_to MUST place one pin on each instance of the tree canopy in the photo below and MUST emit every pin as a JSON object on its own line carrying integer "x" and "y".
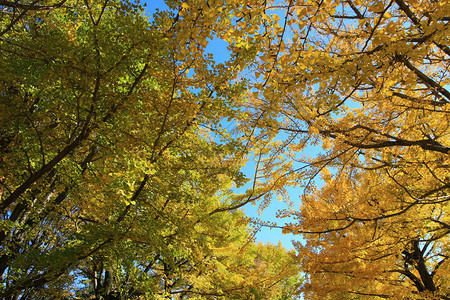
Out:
{"x": 117, "y": 171}
{"x": 365, "y": 84}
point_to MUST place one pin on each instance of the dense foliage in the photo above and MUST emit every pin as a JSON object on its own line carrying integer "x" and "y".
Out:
{"x": 365, "y": 85}
{"x": 115, "y": 171}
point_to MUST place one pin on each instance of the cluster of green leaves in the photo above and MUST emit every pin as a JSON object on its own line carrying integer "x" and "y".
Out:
{"x": 115, "y": 172}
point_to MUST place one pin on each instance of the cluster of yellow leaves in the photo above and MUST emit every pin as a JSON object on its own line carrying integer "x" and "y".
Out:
{"x": 367, "y": 80}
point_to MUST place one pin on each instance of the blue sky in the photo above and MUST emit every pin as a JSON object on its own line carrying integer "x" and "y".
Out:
{"x": 274, "y": 236}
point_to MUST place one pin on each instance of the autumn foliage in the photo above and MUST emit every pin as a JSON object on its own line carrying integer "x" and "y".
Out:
{"x": 117, "y": 161}
{"x": 364, "y": 86}
{"x": 115, "y": 170}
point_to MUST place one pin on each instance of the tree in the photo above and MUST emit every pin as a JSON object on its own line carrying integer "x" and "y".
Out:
{"x": 368, "y": 81}
{"x": 114, "y": 167}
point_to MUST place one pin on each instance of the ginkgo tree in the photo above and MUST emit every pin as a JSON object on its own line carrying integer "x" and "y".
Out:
{"x": 115, "y": 169}
{"x": 366, "y": 82}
